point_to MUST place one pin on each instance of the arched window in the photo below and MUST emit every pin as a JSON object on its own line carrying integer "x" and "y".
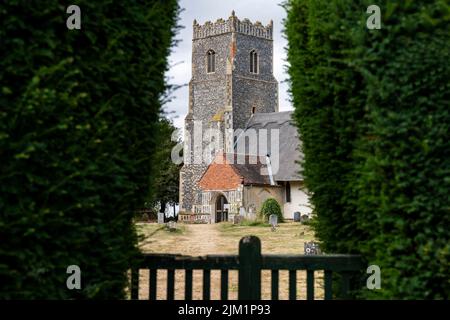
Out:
{"x": 253, "y": 61}
{"x": 288, "y": 192}
{"x": 211, "y": 61}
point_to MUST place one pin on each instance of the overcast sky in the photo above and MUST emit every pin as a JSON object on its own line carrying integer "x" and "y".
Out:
{"x": 204, "y": 10}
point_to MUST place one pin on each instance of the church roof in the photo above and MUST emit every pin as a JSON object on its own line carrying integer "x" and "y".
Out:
{"x": 286, "y": 156}
{"x": 250, "y": 169}
{"x": 229, "y": 170}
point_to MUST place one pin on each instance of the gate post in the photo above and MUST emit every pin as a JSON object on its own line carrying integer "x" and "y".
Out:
{"x": 249, "y": 268}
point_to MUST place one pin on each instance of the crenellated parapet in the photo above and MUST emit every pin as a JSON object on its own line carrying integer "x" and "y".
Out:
{"x": 233, "y": 24}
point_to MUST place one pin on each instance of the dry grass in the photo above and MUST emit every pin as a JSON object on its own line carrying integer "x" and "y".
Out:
{"x": 288, "y": 238}
{"x": 198, "y": 240}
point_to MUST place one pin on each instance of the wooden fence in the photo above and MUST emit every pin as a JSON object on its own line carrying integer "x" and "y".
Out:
{"x": 194, "y": 218}
{"x": 249, "y": 264}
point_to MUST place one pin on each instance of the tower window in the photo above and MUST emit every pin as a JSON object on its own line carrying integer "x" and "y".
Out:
{"x": 253, "y": 110}
{"x": 211, "y": 61}
{"x": 288, "y": 192}
{"x": 254, "y": 61}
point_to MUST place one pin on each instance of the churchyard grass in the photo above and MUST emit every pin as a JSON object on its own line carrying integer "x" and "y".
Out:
{"x": 223, "y": 238}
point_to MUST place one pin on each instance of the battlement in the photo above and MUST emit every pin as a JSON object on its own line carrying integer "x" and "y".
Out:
{"x": 233, "y": 24}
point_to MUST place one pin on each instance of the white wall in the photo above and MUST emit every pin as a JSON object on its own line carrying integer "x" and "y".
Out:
{"x": 299, "y": 201}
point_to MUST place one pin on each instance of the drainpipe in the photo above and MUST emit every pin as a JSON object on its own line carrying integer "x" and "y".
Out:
{"x": 269, "y": 169}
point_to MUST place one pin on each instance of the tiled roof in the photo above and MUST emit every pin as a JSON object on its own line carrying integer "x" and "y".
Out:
{"x": 232, "y": 169}
{"x": 289, "y": 143}
{"x": 250, "y": 169}
{"x": 228, "y": 171}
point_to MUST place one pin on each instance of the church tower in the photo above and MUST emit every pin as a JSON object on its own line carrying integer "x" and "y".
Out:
{"x": 232, "y": 78}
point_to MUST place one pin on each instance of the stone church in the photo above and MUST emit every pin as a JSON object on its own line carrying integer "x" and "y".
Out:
{"x": 239, "y": 149}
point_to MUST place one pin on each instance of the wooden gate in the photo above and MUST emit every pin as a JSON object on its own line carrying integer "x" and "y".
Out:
{"x": 249, "y": 264}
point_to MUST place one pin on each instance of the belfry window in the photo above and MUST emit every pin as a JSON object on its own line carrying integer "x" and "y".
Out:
{"x": 211, "y": 61}
{"x": 253, "y": 61}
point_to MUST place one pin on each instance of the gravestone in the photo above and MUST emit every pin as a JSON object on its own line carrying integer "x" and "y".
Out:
{"x": 251, "y": 215}
{"x": 172, "y": 225}
{"x": 237, "y": 219}
{"x": 273, "y": 220}
{"x": 311, "y": 248}
{"x": 161, "y": 217}
{"x": 304, "y": 218}
{"x": 297, "y": 216}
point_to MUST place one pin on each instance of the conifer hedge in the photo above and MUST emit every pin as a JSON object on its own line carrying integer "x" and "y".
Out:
{"x": 77, "y": 113}
{"x": 373, "y": 110}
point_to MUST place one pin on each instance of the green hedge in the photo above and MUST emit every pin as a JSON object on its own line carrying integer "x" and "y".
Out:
{"x": 373, "y": 111}
{"x": 271, "y": 206}
{"x": 327, "y": 95}
{"x": 77, "y": 113}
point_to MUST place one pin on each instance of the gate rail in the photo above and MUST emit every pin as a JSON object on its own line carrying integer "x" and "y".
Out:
{"x": 249, "y": 263}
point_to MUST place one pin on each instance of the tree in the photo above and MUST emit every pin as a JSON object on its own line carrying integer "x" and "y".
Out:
{"x": 78, "y": 109}
{"x": 269, "y": 207}
{"x": 372, "y": 110}
{"x": 328, "y": 96}
{"x": 166, "y": 178}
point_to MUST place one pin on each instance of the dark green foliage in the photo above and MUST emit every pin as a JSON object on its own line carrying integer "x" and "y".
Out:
{"x": 373, "y": 109}
{"x": 78, "y": 110}
{"x": 403, "y": 187}
{"x": 165, "y": 180}
{"x": 251, "y": 223}
{"x": 271, "y": 206}
{"x": 326, "y": 92}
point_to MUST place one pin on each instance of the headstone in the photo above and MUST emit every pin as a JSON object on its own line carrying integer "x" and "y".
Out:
{"x": 237, "y": 219}
{"x": 273, "y": 220}
{"x": 161, "y": 217}
{"x": 242, "y": 211}
{"x": 304, "y": 218}
{"x": 251, "y": 214}
{"x": 311, "y": 248}
{"x": 168, "y": 210}
{"x": 172, "y": 225}
{"x": 297, "y": 216}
